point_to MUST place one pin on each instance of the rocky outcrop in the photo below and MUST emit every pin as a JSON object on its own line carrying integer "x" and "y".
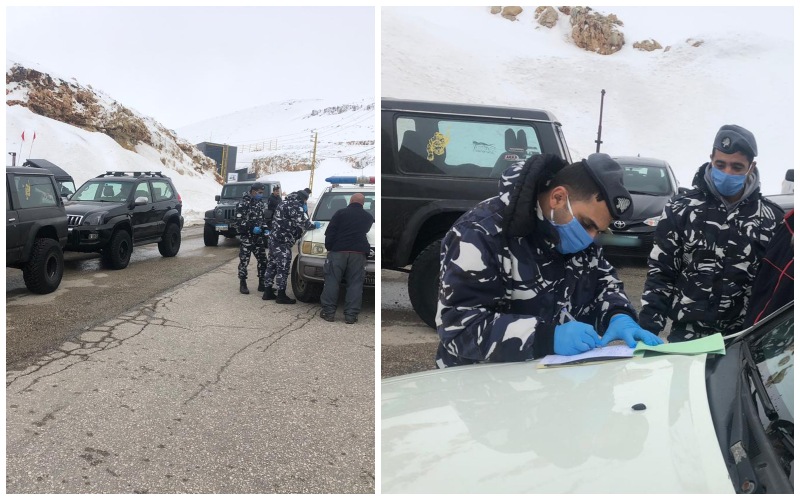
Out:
{"x": 647, "y": 45}
{"x": 693, "y": 42}
{"x": 565, "y": 10}
{"x": 546, "y": 16}
{"x": 595, "y": 32}
{"x": 511, "y": 13}
{"x": 495, "y": 10}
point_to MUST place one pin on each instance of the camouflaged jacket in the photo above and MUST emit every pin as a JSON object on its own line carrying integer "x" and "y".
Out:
{"x": 704, "y": 260}
{"x": 289, "y": 221}
{"x": 249, "y": 214}
{"x": 501, "y": 297}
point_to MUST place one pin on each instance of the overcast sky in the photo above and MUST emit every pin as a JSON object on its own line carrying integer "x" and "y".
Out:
{"x": 181, "y": 65}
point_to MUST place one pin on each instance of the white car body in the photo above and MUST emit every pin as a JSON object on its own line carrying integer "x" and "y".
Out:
{"x": 518, "y": 428}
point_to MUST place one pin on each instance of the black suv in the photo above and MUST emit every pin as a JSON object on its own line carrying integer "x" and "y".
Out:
{"x": 222, "y": 218}
{"x": 116, "y": 211}
{"x": 439, "y": 160}
{"x": 36, "y": 227}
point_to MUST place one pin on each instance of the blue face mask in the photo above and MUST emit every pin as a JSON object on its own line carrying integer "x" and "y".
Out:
{"x": 726, "y": 184}
{"x": 573, "y": 236}
{"x": 259, "y": 196}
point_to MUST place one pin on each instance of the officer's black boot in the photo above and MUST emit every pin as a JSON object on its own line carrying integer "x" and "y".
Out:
{"x": 260, "y": 284}
{"x": 243, "y": 286}
{"x": 283, "y": 299}
{"x": 269, "y": 294}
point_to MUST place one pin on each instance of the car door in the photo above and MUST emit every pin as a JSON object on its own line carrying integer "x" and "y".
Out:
{"x": 13, "y": 242}
{"x": 143, "y": 217}
{"x": 164, "y": 200}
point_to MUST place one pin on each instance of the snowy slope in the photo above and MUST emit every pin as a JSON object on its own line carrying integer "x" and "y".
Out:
{"x": 663, "y": 104}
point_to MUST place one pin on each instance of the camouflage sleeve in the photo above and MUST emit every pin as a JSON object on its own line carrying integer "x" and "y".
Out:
{"x": 610, "y": 297}
{"x": 471, "y": 286}
{"x": 241, "y": 219}
{"x": 665, "y": 262}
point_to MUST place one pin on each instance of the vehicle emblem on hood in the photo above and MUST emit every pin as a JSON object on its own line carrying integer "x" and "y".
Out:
{"x": 619, "y": 224}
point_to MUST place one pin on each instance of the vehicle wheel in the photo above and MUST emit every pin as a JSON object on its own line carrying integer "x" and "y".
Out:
{"x": 303, "y": 290}
{"x": 210, "y": 236}
{"x": 44, "y": 271}
{"x": 423, "y": 283}
{"x": 170, "y": 241}
{"x": 118, "y": 253}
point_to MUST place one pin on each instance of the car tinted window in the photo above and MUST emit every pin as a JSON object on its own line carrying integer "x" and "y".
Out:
{"x": 646, "y": 179}
{"x": 112, "y": 191}
{"x": 462, "y": 148}
{"x": 162, "y": 191}
{"x": 330, "y": 203}
{"x": 235, "y": 191}
{"x": 35, "y": 191}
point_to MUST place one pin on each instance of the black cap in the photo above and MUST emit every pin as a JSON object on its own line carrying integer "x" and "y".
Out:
{"x": 256, "y": 186}
{"x": 303, "y": 194}
{"x": 276, "y": 188}
{"x": 607, "y": 174}
{"x": 735, "y": 139}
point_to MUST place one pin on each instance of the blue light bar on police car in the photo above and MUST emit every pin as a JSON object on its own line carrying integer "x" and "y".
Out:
{"x": 344, "y": 179}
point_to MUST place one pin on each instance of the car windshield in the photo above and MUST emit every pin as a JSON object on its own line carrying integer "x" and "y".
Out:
{"x": 113, "y": 191}
{"x": 330, "y": 203}
{"x": 647, "y": 179}
{"x": 773, "y": 353}
{"x": 235, "y": 191}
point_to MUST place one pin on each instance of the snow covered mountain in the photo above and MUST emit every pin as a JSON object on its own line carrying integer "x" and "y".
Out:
{"x": 718, "y": 65}
{"x": 87, "y": 132}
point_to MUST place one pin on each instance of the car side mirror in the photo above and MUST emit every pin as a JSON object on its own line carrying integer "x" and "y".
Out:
{"x": 216, "y": 198}
{"x": 790, "y": 175}
{"x": 142, "y": 200}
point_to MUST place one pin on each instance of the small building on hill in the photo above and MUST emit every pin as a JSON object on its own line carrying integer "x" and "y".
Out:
{"x": 223, "y": 154}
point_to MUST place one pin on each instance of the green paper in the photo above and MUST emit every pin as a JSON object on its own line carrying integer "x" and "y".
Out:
{"x": 712, "y": 344}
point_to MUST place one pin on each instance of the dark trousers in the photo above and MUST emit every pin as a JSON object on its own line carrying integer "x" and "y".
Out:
{"x": 257, "y": 247}
{"x": 351, "y": 267}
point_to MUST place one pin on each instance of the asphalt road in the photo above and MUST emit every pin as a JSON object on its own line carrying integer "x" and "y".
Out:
{"x": 408, "y": 345}
{"x": 193, "y": 389}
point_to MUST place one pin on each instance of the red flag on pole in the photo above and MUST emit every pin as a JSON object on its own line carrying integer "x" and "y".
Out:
{"x": 23, "y": 136}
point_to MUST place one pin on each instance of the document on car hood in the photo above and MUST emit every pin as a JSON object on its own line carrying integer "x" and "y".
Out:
{"x": 597, "y": 354}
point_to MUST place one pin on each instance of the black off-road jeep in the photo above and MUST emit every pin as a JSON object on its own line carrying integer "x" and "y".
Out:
{"x": 222, "y": 218}
{"x": 36, "y": 227}
{"x": 438, "y": 160}
{"x": 116, "y": 211}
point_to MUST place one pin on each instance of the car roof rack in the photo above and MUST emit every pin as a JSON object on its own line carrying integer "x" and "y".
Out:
{"x": 120, "y": 173}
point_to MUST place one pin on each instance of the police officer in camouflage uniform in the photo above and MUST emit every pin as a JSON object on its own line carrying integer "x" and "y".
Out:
{"x": 520, "y": 274}
{"x": 709, "y": 244}
{"x": 288, "y": 224}
{"x": 250, "y": 222}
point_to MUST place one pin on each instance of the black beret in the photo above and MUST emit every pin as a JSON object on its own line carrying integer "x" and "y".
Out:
{"x": 256, "y": 186}
{"x": 735, "y": 139}
{"x": 607, "y": 174}
{"x": 303, "y": 194}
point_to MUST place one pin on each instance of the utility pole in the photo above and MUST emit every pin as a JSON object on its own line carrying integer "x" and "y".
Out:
{"x": 313, "y": 160}
{"x": 600, "y": 125}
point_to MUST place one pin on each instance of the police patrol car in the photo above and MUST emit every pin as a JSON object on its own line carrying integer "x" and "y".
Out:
{"x": 308, "y": 276}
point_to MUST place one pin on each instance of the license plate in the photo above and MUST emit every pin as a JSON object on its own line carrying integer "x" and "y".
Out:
{"x": 222, "y": 227}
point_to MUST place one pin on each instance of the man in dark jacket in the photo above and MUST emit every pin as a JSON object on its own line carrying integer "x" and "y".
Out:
{"x": 274, "y": 199}
{"x": 773, "y": 286}
{"x": 348, "y": 247}
{"x": 709, "y": 243}
{"x": 288, "y": 224}
{"x": 520, "y": 274}
{"x": 249, "y": 225}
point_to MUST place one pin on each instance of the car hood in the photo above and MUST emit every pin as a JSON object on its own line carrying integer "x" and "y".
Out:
{"x": 87, "y": 207}
{"x": 517, "y": 428}
{"x": 647, "y": 205}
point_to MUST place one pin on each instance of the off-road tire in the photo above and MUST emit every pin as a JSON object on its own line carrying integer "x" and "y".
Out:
{"x": 423, "y": 283}
{"x": 210, "y": 236}
{"x": 303, "y": 290}
{"x": 170, "y": 241}
{"x": 118, "y": 253}
{"x": 43, "y": 273}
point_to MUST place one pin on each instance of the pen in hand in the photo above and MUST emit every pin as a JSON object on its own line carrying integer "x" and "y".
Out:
{"x": 567, "y": 314}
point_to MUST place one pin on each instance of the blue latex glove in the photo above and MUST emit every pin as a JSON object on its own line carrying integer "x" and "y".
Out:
{"x": 574, "y": 338}
{"x": 305, "y": 207}
{"x": 623, "y": 327}
{"x": 257, "y": 230}
{"x": 317, "y": 225}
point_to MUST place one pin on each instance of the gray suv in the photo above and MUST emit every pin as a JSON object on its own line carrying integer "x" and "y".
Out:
{"x": 36, "y": 227}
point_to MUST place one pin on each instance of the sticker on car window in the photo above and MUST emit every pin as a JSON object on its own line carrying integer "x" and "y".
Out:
{"x": 482, "y": 147}
{"x": 437, "y": 145}
{"x": 27, "y": 186}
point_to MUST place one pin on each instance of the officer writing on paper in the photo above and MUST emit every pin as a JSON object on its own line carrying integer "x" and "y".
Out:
{"x": 515, "y": 268}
